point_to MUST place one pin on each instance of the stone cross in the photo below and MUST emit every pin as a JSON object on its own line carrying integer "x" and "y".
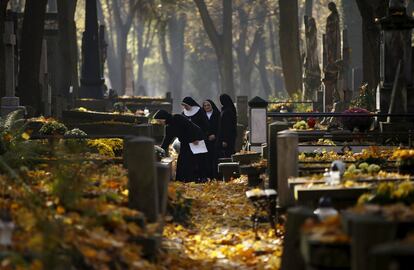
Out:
{"x": 10, "y": 102}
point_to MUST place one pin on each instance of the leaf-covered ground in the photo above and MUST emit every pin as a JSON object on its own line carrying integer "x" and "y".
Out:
{"x": 220, "y": 234}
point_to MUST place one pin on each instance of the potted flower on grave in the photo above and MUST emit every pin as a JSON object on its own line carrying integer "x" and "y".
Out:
{"x": 349, "y": 121}
{"x": 405, "y": 161}
{"x": 54, "y": 130}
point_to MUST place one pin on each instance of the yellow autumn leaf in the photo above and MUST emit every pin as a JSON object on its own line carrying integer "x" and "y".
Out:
{"x": 25, "y": 136}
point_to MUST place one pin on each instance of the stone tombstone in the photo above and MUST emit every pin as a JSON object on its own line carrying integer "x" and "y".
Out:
{"x": 396, "y": 35}
{"x": 312, "y": 76}
{"x": 258, "y": 122}
{"x": 10, "y": 102}
{"x": 291, "y": 256}
{"x": 92, "y": 82}
{"x": 242, "y": 113}
{"x": 287, "y": 165}
{"x": 274, "y": 128}
{"x": 142, "y": 177}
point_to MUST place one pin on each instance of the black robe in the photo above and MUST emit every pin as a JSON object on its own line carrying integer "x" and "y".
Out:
{"x": 211, "y": 145}
{"x": 227, "y": 131}
{"x": 200, "y": 119}
{"x": 186, "y": 132}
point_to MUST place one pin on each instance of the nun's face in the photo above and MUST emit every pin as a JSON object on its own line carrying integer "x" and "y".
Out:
{"x": 207, "y": 106}
{"x": 186, "y": 106}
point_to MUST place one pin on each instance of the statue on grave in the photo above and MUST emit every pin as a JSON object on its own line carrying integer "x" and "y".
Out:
{"x": 333, "y": 53}
{"x": 398, "y": 4}
{"x": 312, "y": 76}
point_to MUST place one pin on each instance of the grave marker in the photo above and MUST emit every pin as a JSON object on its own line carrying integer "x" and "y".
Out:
{"x": 287, "y": 165}
{"x": 10, "y": 102}
{"x": 142, "y": 177}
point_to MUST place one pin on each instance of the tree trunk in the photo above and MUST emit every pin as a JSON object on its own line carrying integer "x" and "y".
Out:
{"x": 353, "y": 22}
{"x": 141, "y": 55}
{"x": 122, "y": 50}
{"x": 29, "y": 88}
{"x": 3, "y": 7}
{"x": 222, "y": 43}
{"x": 228, "y": 80}
{"x": 371, "y": 9}
{"x": 68, "y": 46}
{"x": 308, "y": 8}
{"x": 275, "y": 53}
{"x": 176, "y": 32}
{"x": 262, "y": 68}
{"x": 289, "y": 46}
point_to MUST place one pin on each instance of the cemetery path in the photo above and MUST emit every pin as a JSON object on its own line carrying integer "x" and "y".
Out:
{"x": 220, "y": 234}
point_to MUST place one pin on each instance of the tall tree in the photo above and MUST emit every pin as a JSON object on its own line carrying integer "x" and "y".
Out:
{"x": 68, "y": 46}
{"x": 289, "y": 45}
{"x": 275, "y": 54}
{"x": 370, "y": 10}
{"x": 222, "y": 42}
{"x": 262, "y": 67}
{"x": 246, "y": 56}
{"x": 3, "y": 7}
{"x": 353, "y": 22}
{"x": 174, "y": 62}
{"x": 308, "y": 8}
{"x": 123, "y": 27}
{"x": 145, "y": 31}
{"x": 29, "y": 89}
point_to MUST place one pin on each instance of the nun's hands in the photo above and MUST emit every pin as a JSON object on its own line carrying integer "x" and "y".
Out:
{"x": 224, "y": 144}
{"x": 195, "y": 142}
{"x": 212, "y": 137}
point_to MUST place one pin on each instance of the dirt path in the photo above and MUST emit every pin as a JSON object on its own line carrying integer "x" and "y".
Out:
{"x": 220, "y": 235}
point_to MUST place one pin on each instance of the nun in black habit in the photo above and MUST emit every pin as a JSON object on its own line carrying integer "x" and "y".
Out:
{"x": 227, "y": 130}
{"x": 178, "y": 126}
{"x": 193, "y": 111}
{"x": 213, "y": 115}
{"x": 195, "y": 114}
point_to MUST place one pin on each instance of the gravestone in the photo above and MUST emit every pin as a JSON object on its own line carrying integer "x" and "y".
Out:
{"x": 291, "y": 257}
{"x": 242, "y": 117}
{"x": 10, "y": 102}
{"x": 258, "y": 123}
{"x": 396, "y": 55}
{"x": 142, "y": 177}
{"x": 287, "y": 165}
{"x": 92, "y": 82}
{"x": 274, "y": 128}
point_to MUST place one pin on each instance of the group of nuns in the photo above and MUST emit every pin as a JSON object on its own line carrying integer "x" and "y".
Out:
{"x": 217, "y": 128}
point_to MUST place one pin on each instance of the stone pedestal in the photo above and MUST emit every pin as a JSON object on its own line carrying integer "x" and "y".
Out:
{"x": 10, "y": 104}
